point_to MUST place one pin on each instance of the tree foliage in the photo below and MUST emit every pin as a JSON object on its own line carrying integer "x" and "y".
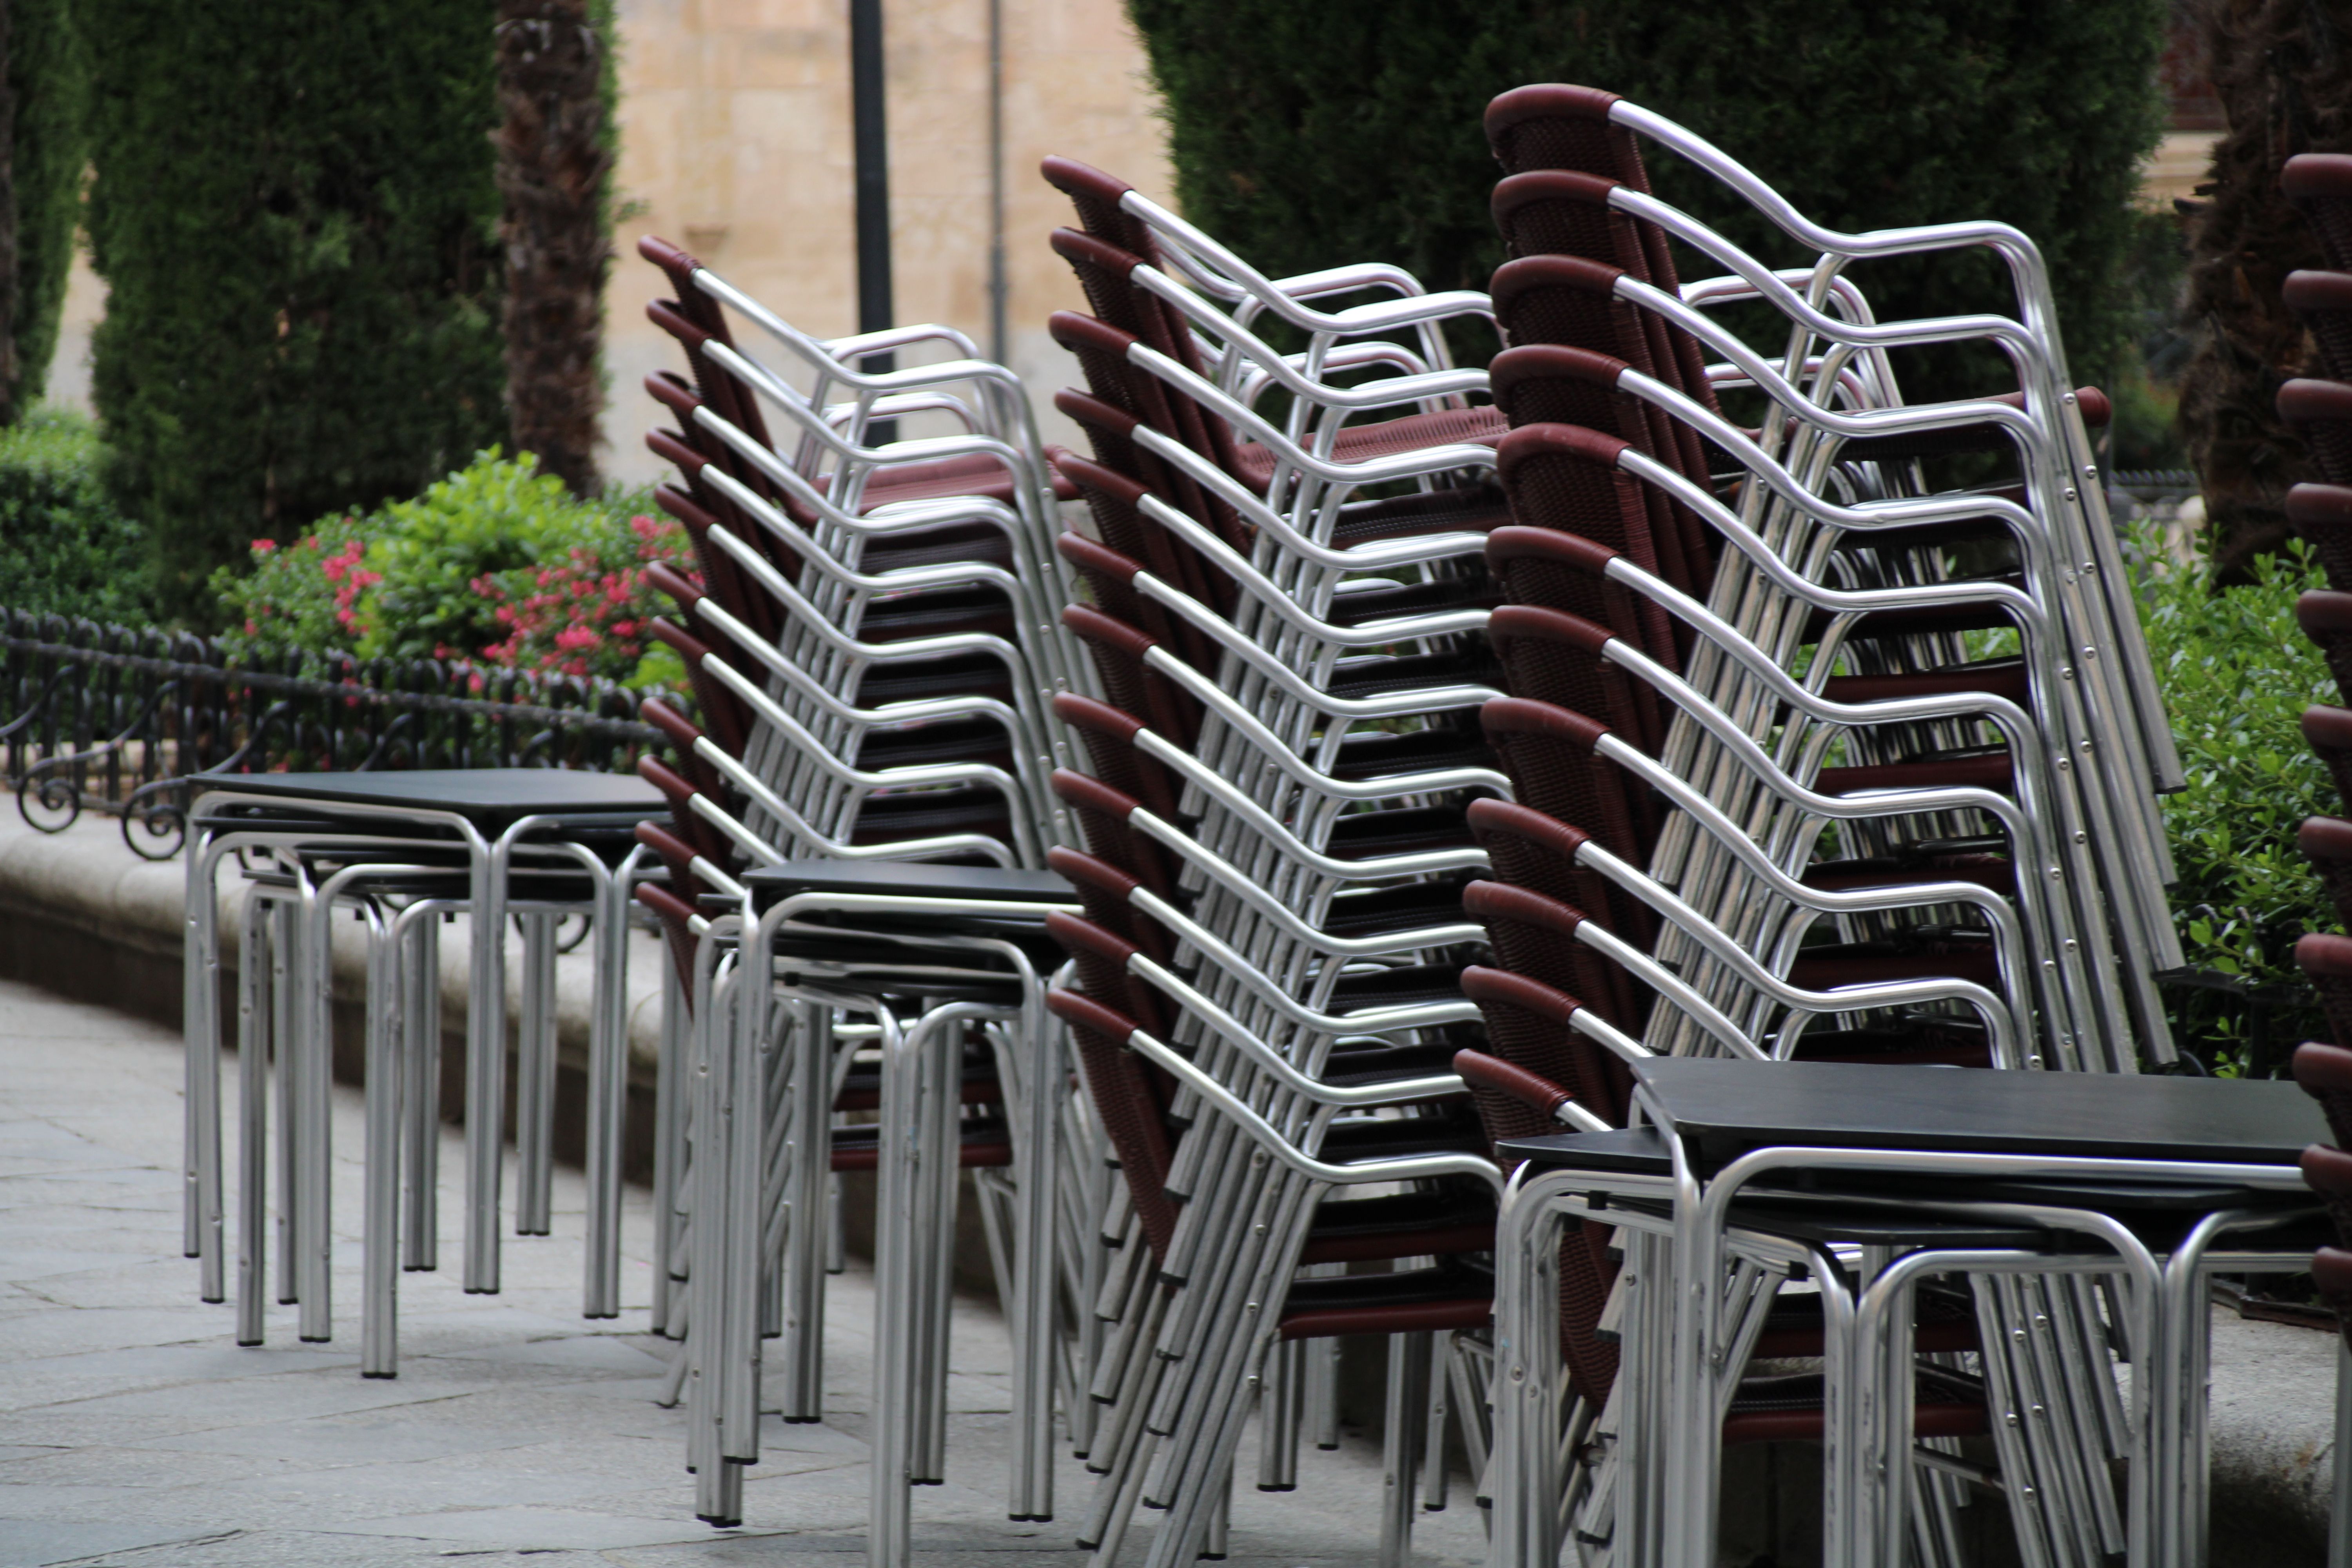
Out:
{"x": 1309, "y": 135}
{"x": 47, "y": 82}
{"x": 296, "y": 215}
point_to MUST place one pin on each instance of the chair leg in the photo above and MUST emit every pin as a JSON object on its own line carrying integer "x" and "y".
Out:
{"x": 2339, "y": 1518}
{"x": 1406, "y": 1419}
{"x": 535, "y": 1078}
{"x": 255, "y": 1013}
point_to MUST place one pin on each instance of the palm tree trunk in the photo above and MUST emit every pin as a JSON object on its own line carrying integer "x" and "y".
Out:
{"x": 553, "y": 161}
{"x": 2282, "y": 70}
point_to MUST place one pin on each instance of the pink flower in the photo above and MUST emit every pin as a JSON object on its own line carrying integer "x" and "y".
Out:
{"x": 571, "y": 637}
{"x": 263, "y": 546}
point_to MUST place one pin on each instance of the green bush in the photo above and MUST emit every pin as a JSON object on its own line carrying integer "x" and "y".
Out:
{"x": 68, "y": 551}
{"x": 496, "y": 564}
{"x": 2237, "y": 674}
{"x": 1307, "y": 136}
{"x": 295, "y": 212}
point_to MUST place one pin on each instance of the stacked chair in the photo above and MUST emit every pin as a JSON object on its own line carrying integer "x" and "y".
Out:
{"x": 1763, "y": 802}
{"x": 874, "y": 650}
{"x": 2319, "y": 410}
{"x": 1287, "y": 616}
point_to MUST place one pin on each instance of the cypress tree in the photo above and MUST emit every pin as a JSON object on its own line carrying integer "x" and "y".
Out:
{"x": 47, "y": 81}
{"x": 296, "y": 212}
{"x": 1309, "y": 135}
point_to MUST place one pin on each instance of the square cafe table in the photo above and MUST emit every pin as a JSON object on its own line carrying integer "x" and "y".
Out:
{"x": 2221, "y": 1154}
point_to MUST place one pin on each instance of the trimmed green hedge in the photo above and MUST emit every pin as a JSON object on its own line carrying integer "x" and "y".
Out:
{"x": 69, "y": 552}
{"x": 1309, "y": 135}
{"x": 296, "y": 215}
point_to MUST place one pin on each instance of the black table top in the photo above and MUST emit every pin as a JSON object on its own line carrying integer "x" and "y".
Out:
{"x": 1724, "y": 1109}
{"x": 909, "y": 879}
{"x": 493, "y": 799}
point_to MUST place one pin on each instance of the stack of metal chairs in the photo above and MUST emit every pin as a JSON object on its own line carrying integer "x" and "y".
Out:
{"x": 1398, "y": 750}
{"x": 1766, "y": 803}
{"x": 874, "y": 647}
{"x": 1286, "y": 611}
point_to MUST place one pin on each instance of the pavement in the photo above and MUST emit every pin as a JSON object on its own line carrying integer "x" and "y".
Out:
{"x": 134, "y": 1432}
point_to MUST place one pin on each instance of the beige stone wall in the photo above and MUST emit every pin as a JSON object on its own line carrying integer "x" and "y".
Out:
{"x": 736, "y": 144}
{"x": 736, "y": 140}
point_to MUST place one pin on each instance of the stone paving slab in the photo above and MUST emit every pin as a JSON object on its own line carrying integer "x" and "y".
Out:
{"x": 133, "y": 1432}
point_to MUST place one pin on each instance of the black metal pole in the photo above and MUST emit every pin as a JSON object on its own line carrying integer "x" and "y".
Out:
{"x": 871, "y": 141}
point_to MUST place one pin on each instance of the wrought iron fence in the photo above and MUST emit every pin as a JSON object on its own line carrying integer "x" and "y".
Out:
{"x": 120, "y": 720}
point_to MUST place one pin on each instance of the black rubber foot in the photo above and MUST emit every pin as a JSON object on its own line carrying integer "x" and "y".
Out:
{"x": 801, "y": 1420}
{"x": 1327, "y": 1448}
{"x": 1030, "y": 1518}
{"x": 248, "y": 1345}
{"x": 212, "y": 1301}
{"x": 1212, "y": 1557}
{"x": 387, "y": 1376}
{"x": 719, "y": 1521}
{"x": 471, "y": 1291}
{"x": 599, "y": 1317}
{"x": 934, "y": 1481}
{"x": 316, "y": 1339}
{"x": 416, "y": 1269}
{"x": 1288, "y": 1488}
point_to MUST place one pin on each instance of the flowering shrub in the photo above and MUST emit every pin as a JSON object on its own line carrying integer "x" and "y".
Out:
{"x": 495, "y": 563}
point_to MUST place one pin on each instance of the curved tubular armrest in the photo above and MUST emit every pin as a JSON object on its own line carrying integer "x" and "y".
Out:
{"x": 1296, "y": 768}
{"x": 2000, "y": 1023}
{"x": 890, "y": 713}
{"x": 1277, "y": 367}
{"x": 1413, "y": 1168}
{"x": 1370, "y": 634}
{"x": 1369, "y": 1021}
{"x": 1210, "y": 781}
{"x": 1229, "y": 1029}
{"x": 1372, "y": 470}
{"x": 1995, "y": 910}
{"x": 1374, "y": 555}
{"x": 2027, "y": 270}
{"x": 1291, "y": 683}
{"x": 1230, "y": 878}
{"x": 2013, "y": 336}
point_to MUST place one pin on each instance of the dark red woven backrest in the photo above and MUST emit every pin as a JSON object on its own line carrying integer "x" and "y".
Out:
{"x": 722, "y": 712}
{"x": 725, "y": 580}
{"x": 1565, "y": 478}
{"x": 1547, "y": 752}
{"x": 1102, "y": 815}
{"x": 2323, "y": 300}
{"x": 2325, "y": 959}
{"x": 678, "y": 794}
{"x": 2320, "y": 184}
{"x": 2329, "y": 732}
{"x": 1116, "y": 502}
{"x": 1108, "y": 734}
{"x": 2321, "y": 515}
{"x": 1104, "y": 892}
{"x": 1531, "y": 1024}
{"x": 1120, "y": 650}
{"x": 1536, "y": 936}
{"x": 1530, "y": 848}
{"x": 1551, "y": 655}
{"x": 2325, "y": 616}
{"x": 2326, "y": 842}
{"x": 1133, "y": 1114}
{"x": 2320, "y": 412}
{"x": 1551, "y": 383}
{"x": 677, "y": 934}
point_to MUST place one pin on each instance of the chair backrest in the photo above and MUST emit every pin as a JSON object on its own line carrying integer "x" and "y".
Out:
{"x": 2323, "y": 300}
{"x": 2325, "y": 616}
{"x": 2320, "y": 412}
{"x": 1548, "y": 752}
{"x": 2325, "y": 959}
{"x": 2321, "y": 515}
{"x": 1132, "y": 1105}
{"x": 2328, "y": 729}
{"x": 2320, "y": 184}
{"x": 2326, "y": 843}
{"x": 1536, "y": 936}
{"x": 1532, "y": 1025}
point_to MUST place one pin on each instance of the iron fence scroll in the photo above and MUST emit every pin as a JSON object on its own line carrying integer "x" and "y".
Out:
{"x": 123, "y": 719}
